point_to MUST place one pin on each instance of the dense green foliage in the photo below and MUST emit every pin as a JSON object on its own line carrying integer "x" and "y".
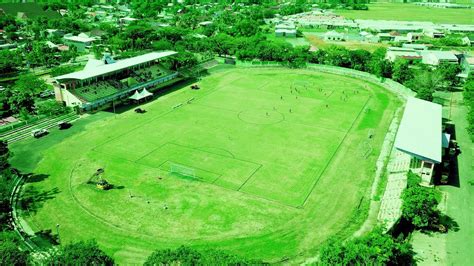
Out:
{"x": 420, "y": 204}
{"x": 375, "y": 248}
{"x": 9, "y": 252}
{"x": 80, "y": 253}
{"x": 9, "y": 61}
{"x": 6, "y": 184}
{"x": 188, "y": 256}
{"x": 50, "y": 107}
{"x": 23, "y": 93}
{"x": 9, "y": 241}
{"x": 469, "y": 102}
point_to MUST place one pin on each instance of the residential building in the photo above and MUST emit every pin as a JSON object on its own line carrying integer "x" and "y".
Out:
{"x": 435, "y": 58}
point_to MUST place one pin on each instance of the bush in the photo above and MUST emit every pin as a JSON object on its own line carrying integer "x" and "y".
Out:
{"x": 50, "y": 107}
{"x": 420, "y": 204}
{"x": 188, "y": 256}
{"x": 375, "y": 248}
{"x": 80, "y": 253}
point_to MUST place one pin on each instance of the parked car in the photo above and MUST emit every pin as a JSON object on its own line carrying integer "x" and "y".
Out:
{"x": 46, "y": 94}
{"x": 64, "y": 125}
{"x": 38, "y": 133}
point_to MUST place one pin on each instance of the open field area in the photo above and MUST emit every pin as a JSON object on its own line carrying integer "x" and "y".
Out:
{"x": 317, "y": 41}
{"x": 411, "y": 12}
{"x": 281, "y": 161}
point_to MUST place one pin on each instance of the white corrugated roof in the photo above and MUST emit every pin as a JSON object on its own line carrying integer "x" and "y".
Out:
{"x": 420, "y": 132}
{"x": 79, "y": 39}
{"x": 119, "y": 65}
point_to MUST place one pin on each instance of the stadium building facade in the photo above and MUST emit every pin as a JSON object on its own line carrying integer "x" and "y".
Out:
{"x": 104, "y": 82}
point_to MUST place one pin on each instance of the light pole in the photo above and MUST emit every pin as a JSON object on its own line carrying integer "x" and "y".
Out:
{"x": 57, "y": 232}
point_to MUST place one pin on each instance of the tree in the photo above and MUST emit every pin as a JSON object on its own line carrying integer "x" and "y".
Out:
{"x": 181, "y": 60}
{"x": 419, "y": 203}
{"x": 22, "y": 94}
{"x": 469, "y": 102}
{"x": 378, "y": 65}
{"x": 6, "y": 185}
{"x": 9, "y": 252}
{"x": 359, "y": 59}
{"x": 375, "y": 248}
{"x": 9, "y": 61}
{"x": 449, "y": 73}
{"x": 80, "y": 253}
{"x": 189, "y": 256}
{"x": 425, "y": 82}
{"x": 401, "y": 71}
{"x": 50, "y": 107}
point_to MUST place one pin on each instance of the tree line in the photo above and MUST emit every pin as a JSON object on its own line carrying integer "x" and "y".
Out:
{"x": 469, "y": 102}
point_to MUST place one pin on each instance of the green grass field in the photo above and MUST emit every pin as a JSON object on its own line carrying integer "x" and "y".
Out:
{"x": 411, "y": 12}
{"x": 279, "y": 158}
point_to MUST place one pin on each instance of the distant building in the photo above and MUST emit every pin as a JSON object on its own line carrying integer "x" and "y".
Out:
{"x": 51, "y": 33}
{"x": 468, "y": 40}
{"x": 126, "y": 21}
{"x": 409, "y": 54}
{"x": 442, "y": 5}
{"x": 385, "y": 37}
{"x": 285, "y": 30}
{"x": 285, "y": 33}
{"x": 414, "y": 36}
{"x": 417, "y": 47}
{"x": 334, "y": 36}
{"x": 205, "y": 23}
{"x": 433, "y": 33}
{"x": 401, "y": 39}
{"x": 435, "y": 58}
{"x": 81, "y": 41}
{"x": 468, "y": 64}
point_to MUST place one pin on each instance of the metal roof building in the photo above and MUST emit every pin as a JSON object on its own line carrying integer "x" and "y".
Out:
{"x": 118, "y": 66}
{"x": 420, "y": 131}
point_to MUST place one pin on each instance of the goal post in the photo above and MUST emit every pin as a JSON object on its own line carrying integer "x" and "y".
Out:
{"x": 182, "y": 170}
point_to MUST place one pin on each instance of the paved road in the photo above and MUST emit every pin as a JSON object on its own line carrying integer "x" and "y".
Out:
{"x": 460, "y": 200}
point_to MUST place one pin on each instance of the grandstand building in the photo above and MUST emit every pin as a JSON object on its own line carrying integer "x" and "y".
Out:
{"x": 104, "y": 82}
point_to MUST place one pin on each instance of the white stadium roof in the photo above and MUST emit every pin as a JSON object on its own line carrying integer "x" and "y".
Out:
{"x": 420, "y": 131}
{"x": 119, "y": 65}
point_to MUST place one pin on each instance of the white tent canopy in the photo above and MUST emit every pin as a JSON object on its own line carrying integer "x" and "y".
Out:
{"x": 145, "y": 94}
{"x": 135, "y": 96}
{"x": 140, "y": 95}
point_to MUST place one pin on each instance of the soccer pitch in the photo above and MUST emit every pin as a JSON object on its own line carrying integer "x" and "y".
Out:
{"x": 273, "y": 161}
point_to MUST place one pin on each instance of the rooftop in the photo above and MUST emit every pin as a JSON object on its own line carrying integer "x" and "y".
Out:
{"x": 420, "y": 132}
{"x": 442, "y": 55}
{"x": 119, "y": 65}
{"x": 79, "y": 39}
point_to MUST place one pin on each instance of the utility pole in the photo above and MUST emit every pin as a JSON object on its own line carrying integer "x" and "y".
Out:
{"x": 57, "y": 232}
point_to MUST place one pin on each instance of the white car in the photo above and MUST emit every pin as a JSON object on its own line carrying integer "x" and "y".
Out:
{"x": 38, "y": 133}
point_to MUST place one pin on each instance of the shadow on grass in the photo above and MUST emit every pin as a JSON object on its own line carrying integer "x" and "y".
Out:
{"x": 448, "y": 222}
{"x": 33, "y": 178}
{"x": 48, "y": 237}
{"x": 32, "y": 199}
